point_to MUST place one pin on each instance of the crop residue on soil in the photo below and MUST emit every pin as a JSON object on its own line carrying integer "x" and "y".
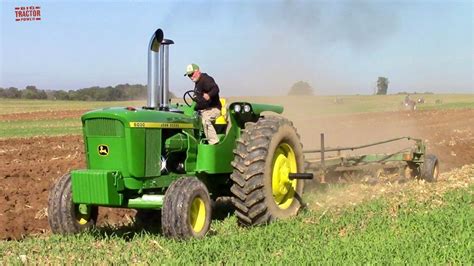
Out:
{"x": 391, "y": 187}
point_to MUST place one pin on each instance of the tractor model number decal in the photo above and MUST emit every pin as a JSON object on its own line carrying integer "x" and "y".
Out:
{"x": 160, "y": 125}
{"x": 103, "y": 150}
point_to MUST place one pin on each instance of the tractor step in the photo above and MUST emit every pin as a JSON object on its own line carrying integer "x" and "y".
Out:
{"x": 147, "y": 202}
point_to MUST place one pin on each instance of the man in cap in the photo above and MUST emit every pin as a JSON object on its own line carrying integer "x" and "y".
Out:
{"x": 208, "y": 103}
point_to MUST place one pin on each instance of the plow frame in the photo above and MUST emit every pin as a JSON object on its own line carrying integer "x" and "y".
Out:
{"x": 413, "y": 157}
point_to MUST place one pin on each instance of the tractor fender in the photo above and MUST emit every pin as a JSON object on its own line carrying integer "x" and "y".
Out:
{"x": 243, "y": 112}
{"x": 259, "y": 108}
{"x": 255, "y": 108}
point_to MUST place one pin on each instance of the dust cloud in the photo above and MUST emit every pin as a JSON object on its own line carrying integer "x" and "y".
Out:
{"x": 291, "y": 41}
{"x": 297, "y": 40}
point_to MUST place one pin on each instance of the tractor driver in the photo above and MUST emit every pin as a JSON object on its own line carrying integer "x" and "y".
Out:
{"x": 208, "y": 103}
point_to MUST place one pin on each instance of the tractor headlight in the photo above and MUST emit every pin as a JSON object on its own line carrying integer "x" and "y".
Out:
{"x": 237, "y": 108}
{"x": 247, "y": 108}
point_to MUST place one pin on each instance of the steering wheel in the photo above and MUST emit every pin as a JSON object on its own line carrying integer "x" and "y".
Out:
{"x": 190, "y": 94}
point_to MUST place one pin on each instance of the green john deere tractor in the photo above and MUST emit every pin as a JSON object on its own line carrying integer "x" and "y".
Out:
{"x": 155, "y": 159}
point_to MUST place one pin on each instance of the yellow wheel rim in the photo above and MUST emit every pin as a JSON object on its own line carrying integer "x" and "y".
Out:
{"x": 197, "y": 215}
{"x": 284, "y": 163}
{"x": 83, "y": 214}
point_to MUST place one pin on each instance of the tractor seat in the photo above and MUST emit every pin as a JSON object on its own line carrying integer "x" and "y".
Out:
{"x": 220, "y": 124}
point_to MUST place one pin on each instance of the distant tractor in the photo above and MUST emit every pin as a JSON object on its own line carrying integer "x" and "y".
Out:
{"x": 409, "y": 104}
{"x": 156, "y": 160}
{"x": 338, "y": 100}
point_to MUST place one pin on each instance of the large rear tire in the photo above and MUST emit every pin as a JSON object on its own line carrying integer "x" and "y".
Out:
{"x": 64, "y": 216}
{"x": 266, "y": 153}
{"x": 186, "y": 210}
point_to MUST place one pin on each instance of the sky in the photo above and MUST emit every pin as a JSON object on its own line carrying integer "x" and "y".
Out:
{"x": 249, "y": 47}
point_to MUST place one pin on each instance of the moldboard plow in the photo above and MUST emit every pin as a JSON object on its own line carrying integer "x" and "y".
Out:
{"x": 412, "y": 162}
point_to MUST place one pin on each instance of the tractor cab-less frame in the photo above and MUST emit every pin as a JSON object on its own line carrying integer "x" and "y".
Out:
{"x": 155, "y": 159}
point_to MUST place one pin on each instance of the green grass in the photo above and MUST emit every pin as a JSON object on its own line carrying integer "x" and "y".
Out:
{"x": 48, "y": 127}
{"x": 28, "y": 128}
{"x": 8, "y": 106}
{"x": 376, "y": 232}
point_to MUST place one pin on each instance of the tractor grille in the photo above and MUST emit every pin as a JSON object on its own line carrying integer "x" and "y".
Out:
{"x": 104, "y": 127}
{"x": 153, "y": 152}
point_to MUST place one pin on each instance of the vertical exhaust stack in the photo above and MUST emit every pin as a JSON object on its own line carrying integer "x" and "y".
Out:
{"x": 158, "y": 71}
{"x": 165, "y": 74}
{"x": 153, "y": 73}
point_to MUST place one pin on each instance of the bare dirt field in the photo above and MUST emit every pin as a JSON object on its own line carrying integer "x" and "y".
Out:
{"x": 29, "y": 166}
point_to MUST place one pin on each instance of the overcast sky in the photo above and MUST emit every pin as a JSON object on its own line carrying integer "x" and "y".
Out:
{"x": 249, "y": 47}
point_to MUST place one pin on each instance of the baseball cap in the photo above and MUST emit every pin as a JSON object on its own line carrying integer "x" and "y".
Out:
{"x": 191, "y": 68}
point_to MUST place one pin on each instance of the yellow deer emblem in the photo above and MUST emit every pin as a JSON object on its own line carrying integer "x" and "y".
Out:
{"x": 103, "y": 150}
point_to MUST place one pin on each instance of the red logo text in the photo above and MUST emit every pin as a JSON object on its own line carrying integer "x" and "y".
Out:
{"x": 27, "y": 13}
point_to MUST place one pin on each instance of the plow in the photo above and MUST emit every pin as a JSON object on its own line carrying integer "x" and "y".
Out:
{"x": 413, "y": 162}
{"x": 156, "y": 159}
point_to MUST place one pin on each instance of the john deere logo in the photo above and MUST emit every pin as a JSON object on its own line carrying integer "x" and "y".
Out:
{"x": 103, "y": 150}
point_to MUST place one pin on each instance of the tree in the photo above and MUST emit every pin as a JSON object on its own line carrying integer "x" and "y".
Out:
{"x": 29, "y": 93}
{"x": 301, "y": 88}
{"x": 60, "y": 95}
{"x": 12, "y": 93}
{"x": 382, "y": 86}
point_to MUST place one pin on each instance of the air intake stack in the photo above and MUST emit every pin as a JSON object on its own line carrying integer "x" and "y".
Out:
{"x": 158, "y": 71}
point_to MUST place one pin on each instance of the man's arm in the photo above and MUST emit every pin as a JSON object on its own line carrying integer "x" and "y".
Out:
{"x": 212, "y": 88}
{"x": 201, "y": 101}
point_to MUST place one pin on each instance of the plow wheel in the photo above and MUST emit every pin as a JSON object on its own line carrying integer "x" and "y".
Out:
{"x": 430, "y": 168}
{"x": 64, "y": 216}
{"x": 266, "y": 153}
{"x": 186, "y": 210}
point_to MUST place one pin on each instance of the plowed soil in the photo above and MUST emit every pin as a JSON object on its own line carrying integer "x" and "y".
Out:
{"x": 30, "y": 166}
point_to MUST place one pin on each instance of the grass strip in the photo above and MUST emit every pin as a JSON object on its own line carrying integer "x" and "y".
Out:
{"x": 49, "y": 127}
{"x": 438, "y": 230}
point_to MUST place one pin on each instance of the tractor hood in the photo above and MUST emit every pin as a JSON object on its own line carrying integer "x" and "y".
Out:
{"x": 142, "y": 118}
{"x": 129, "y": 140}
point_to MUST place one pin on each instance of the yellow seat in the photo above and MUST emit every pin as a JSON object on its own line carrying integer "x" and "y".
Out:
{"x": 222, "y": 119}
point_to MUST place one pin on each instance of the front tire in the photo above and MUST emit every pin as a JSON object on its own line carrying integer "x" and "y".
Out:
{"x": 265, "y": 154}
{"x": 186, "y": 210}
{"x": 64, "y": 216}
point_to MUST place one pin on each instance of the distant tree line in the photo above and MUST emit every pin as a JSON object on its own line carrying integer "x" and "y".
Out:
{"x": 121, "y": 92}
